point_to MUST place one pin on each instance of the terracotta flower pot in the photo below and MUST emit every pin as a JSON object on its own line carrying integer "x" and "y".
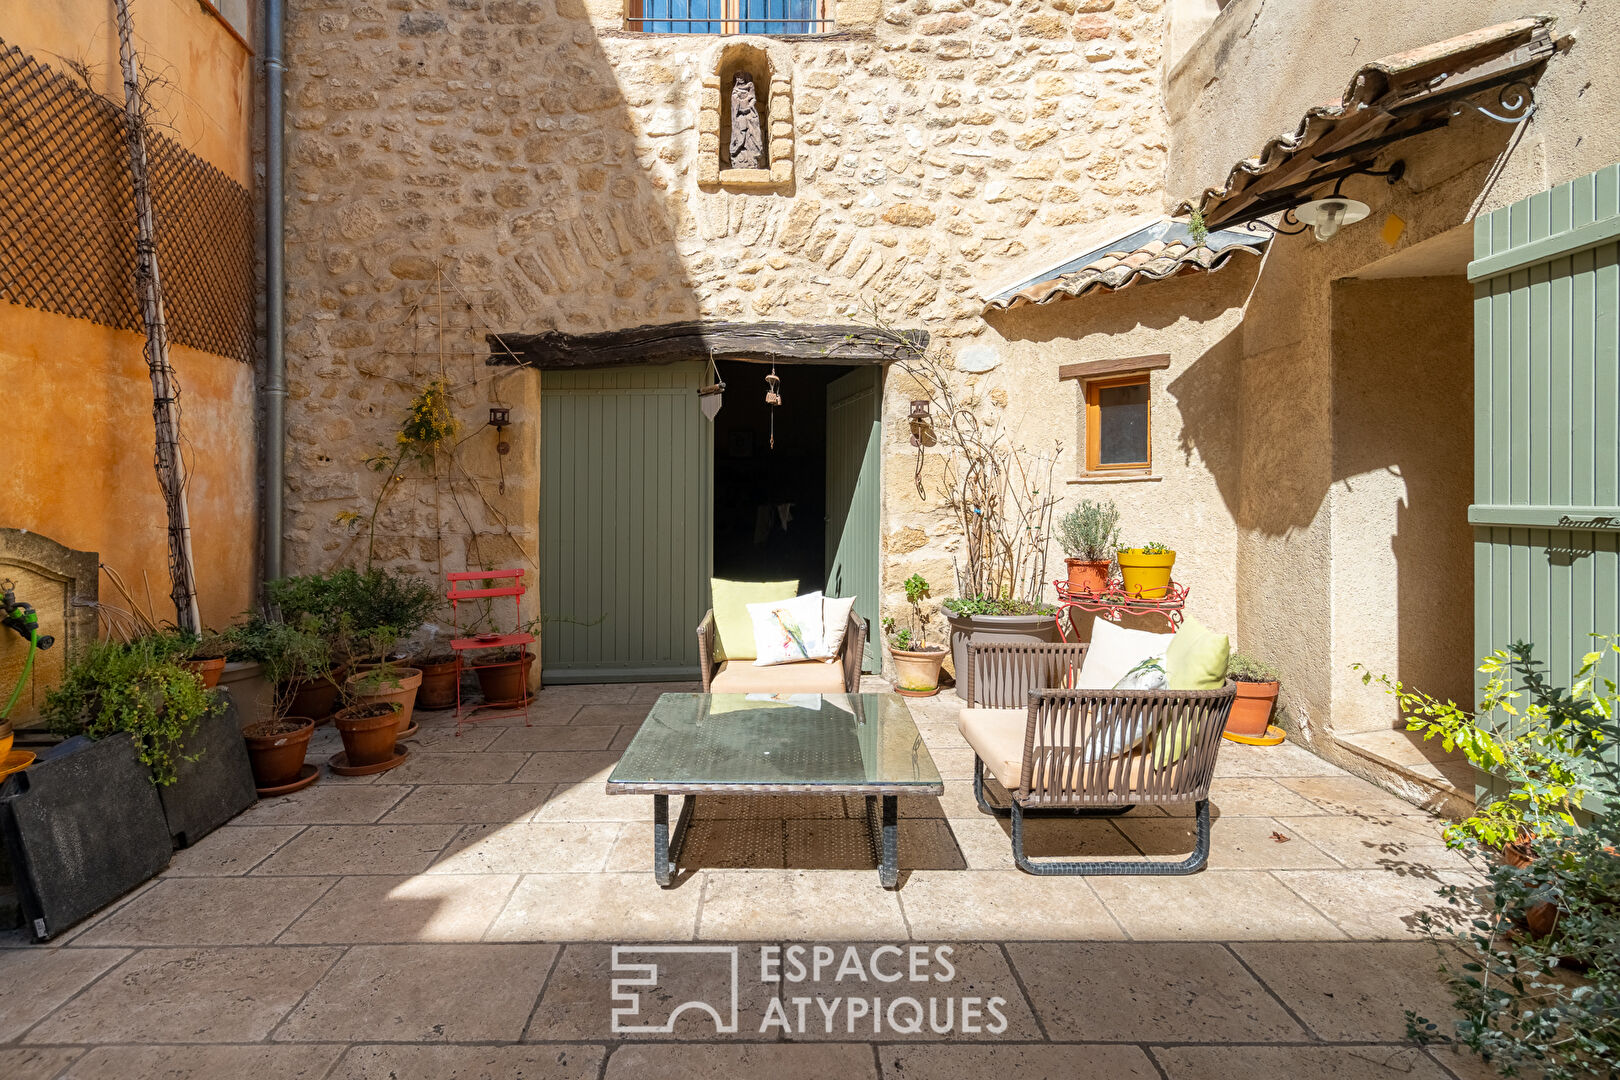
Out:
{"x": 314, "y": 698}
{"x": 208, "y": 670}
{"x": 1147, "y": 576}
{"x": 1088, "y": 574}
{"x": 400, "y": 688}
{"x": 916, "y": 671}
{"x": 369, "y": 731}
{"x": 276, "y": 749}
{"x": 504, "y": 682}
{"x": 1251, "y": 708}
{"x": 438, "y": 689}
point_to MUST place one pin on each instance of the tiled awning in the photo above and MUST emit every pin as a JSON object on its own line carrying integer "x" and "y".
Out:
{"x": 1387, "y": 100}
{"x": 1160, "y": 250}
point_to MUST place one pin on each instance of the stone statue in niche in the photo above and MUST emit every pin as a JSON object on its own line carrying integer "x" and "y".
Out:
{"x": 747, "y": 142}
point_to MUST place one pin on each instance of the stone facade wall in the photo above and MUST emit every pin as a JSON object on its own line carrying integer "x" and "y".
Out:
{"x": 547, "y": 165}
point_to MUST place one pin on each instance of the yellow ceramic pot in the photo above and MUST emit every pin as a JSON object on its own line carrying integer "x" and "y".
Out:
{"x": 1147, "y": 576}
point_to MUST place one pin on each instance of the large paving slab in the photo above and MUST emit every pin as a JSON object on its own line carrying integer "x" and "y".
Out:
{"x": 375, "y": 909}
{"x": 35, "y": 981}
{"x": 209, "y": 911}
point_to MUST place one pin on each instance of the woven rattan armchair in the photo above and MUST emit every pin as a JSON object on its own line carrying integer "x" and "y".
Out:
{"x": 1086, "y": 752}
{"x": 805, "y": 677}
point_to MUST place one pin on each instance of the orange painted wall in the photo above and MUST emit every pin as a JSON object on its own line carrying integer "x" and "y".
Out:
{"x": 78, "y": 400}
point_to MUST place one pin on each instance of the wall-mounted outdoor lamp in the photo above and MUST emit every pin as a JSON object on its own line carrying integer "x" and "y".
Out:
{"x": 1330, "y": 214}
{"x": 919, "y": 421}
{"x": 500, "y": 418}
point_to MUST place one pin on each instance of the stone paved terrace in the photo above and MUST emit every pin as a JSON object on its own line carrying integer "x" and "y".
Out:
{"x": 453, "y": 918}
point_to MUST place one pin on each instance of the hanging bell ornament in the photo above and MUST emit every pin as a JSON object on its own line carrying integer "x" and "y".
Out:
{"x": 772, "y": 383}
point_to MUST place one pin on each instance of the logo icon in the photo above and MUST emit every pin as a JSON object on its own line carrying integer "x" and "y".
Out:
{"x": 671, "y": 978}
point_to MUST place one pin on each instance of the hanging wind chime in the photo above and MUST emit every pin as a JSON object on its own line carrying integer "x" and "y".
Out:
{"x": 773, "y": 398}
{"x": 711, "y": 397}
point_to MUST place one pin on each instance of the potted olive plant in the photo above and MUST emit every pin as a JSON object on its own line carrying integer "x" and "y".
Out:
{"x": 1089, "y": 534}
{"x": 1257, "y": 685}
{"x": 1145, "y": 570}
{"x": 916, "y": 662}
{"x": 278, "y": 743}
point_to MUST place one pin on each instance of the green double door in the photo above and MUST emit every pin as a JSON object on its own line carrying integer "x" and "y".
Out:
{"x": 1546, "y": 511}
{"x": 627, "y": 513}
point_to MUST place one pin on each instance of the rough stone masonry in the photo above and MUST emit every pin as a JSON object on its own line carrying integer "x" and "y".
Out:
{"x": 530, "y": 165}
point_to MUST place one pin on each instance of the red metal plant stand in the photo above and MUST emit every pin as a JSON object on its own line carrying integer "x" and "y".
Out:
{"x": 519, "y": 706}
{"x": 1114, "y": 602}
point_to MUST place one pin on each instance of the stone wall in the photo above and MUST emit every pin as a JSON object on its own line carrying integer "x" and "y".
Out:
{"x": 539, "y": 168}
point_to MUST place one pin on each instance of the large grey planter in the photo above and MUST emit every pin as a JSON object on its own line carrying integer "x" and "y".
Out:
{"x": 966, "y": 628}
{"x": 250, "y": 690}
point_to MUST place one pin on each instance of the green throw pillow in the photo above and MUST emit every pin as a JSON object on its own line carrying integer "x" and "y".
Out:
{"x": 733, "y": 629}
{"x": 1196, "y": 658}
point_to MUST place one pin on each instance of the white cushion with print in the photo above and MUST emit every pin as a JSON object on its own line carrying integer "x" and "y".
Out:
{"x": 1115, "y": 652}
{"x": 788, "y": 631}
{"x": 834, "y": 622}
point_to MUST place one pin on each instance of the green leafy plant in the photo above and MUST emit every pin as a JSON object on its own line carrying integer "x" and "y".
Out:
{"x": 292, "y": 652}
{"x": 1536, "y": 737}
{"x": 983, "y": 605}
{"x": 1152, "y": 548}
{"x": 1090, "y": 531}
{"x": 1537, "y": 985}
{"x": 1241, "y": 667}
{"x": 362, "y": 614}
{"x": 905, "y": 638}
{"x": 1197, "y": 230}
{"x": 136, "y": 686}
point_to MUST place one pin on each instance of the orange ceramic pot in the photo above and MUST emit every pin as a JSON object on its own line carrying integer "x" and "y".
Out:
{"x": 1251, "y": 708}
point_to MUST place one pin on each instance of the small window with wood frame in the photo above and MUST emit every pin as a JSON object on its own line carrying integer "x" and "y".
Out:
{"x": 730, "y": 16}
{"x": 1118, "y": 412}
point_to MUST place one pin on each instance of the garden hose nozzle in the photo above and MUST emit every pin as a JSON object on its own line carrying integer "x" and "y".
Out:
{"x": 21, "y": 617}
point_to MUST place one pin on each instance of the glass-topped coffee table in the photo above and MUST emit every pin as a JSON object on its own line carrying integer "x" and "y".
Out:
{"x": 757, "y": 744}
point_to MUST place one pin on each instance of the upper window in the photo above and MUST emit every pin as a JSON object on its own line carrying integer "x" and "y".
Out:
{"x": 1118, "y": 424}
{"x": 730, "y": 16}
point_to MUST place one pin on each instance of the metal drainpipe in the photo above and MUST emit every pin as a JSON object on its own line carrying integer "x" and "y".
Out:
{"x": 275, "y": 379}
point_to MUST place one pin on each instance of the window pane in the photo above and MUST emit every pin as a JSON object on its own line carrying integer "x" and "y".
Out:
{"x": 777, "y": 16}
{"x": 1122, "y": 422}
{"x": 681, "y": 16}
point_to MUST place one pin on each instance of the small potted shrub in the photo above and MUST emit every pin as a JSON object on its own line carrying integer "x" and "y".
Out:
{"x": 916, "y": 662}
{"x": 1089, "y": 534}
{"x": 1146, "y": 570}
{"x": 278, "y": 743}
{"x": 370, "y": 732}
{"x": 1257, "y": 685}
{"x": 439, "y": 676}
{"x": 387, "y": 683}
{"x": 206, "y": 656}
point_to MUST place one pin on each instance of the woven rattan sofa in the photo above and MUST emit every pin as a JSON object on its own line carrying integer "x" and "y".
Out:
{"x": 1078, "y": 752}
{"x": 805, "y": 677}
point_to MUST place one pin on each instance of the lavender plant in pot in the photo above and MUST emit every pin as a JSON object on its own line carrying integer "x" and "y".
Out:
{"x": 1089, "y": 534}
{"x": 916, "y": 662}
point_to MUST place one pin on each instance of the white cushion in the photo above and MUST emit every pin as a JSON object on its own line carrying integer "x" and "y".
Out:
{"x": 834, "y": 623}
{"x": 1114, "y": 651}
{"x": 788, "y": 631}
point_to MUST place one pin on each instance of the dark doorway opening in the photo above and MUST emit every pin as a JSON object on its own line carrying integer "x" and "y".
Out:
{"x": 770, "y": 503}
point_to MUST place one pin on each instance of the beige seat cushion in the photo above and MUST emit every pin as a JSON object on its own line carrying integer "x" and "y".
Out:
{"x": 807, "y": 677}
{"x": 997, "y": 736}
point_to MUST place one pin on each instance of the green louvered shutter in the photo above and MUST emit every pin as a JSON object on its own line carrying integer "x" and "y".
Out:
{"x": 626, "y": 500}
{"x": 1546, "y": 511}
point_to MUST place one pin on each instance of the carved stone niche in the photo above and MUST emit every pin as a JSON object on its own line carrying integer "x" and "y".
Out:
{"x": 769, "y": 65}
{"x": 61, "y": 583}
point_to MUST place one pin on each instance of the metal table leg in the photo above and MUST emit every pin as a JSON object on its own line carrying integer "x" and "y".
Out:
{"x": 886, "y": 838}
{"x": 667, "y": 848}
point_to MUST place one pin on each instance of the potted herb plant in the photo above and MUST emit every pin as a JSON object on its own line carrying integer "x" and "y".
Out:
{"x": 1145, "y": 570}
{"x": 916, "y": 662}
{"x": 1089, "y": 534}
{"x": 387, "y": 683}
{"x": 206, "y": 656}
{"x": 1257, "y": 685}
{"x": 370, "y": 733}
{"x": 278, "y": 743}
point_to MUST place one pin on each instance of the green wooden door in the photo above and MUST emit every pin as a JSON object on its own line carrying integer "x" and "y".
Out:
{"x": 625, "y": 517}
{"x": 1546, "y": 507}
{"x": 854, "y": 423}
